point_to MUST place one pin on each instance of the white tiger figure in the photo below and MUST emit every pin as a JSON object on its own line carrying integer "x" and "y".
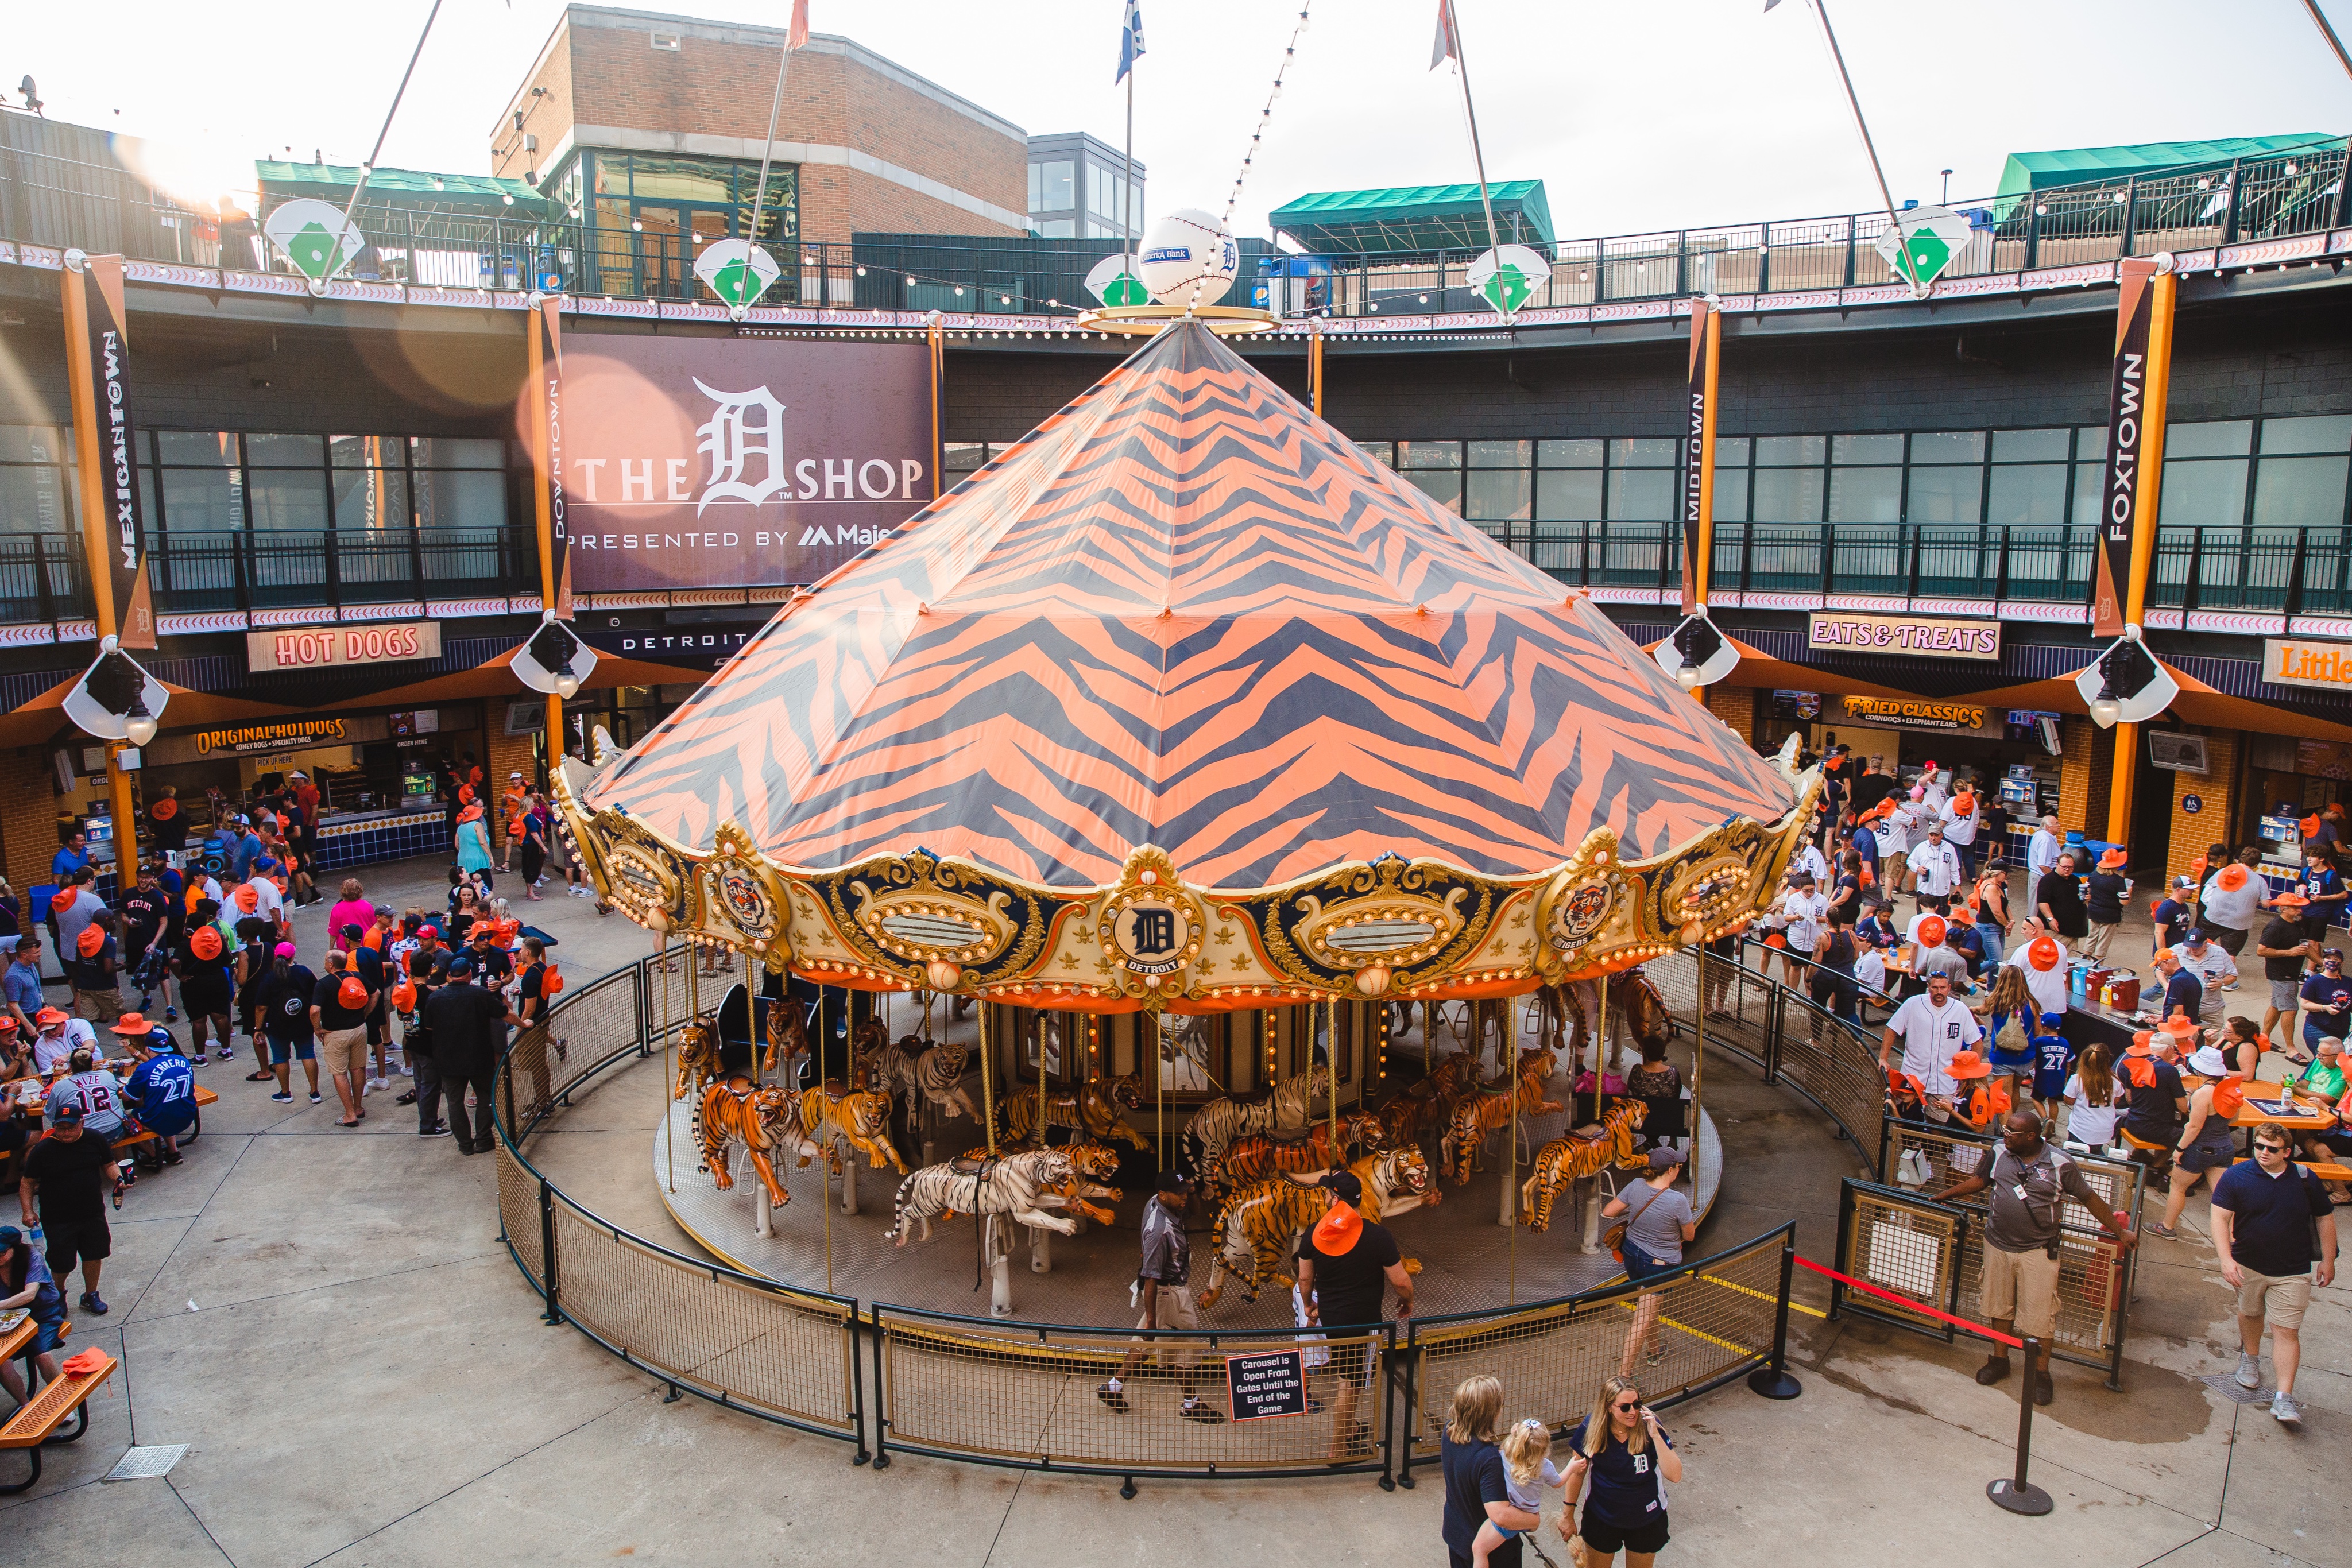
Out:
{"x": 1215, "y": 1125}
{"x": 1023, "y": 1185}
{"x": 939, "y": 1074}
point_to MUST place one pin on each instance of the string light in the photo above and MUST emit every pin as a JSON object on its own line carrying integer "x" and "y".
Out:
{"x": 1234, "y": 199}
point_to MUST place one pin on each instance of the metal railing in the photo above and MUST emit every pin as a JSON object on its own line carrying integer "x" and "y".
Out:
{"x": 49, "y": 200}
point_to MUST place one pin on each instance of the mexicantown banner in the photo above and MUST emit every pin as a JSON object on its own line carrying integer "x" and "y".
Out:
{"x": 722, "y": 463}
{"x": 1932, "y": 636}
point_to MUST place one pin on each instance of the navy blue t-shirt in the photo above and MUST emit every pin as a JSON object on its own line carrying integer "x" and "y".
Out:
{"x": 2171, "y": 918}
{"x": 1625, "y": 1489}
{"x": 2331, "y": 991}
{"x": 2271, "y": 1216}
{"x": 1473, "y": 1478}
{"x": 2184, "y": 992}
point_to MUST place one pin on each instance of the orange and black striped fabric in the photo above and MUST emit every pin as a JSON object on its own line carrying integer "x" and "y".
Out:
{"x": 1185, "y": 611}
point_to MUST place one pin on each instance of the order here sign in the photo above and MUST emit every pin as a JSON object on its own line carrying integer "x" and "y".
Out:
{"x": 327, "y": 648}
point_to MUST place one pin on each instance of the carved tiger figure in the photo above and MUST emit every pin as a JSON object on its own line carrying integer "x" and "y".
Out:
{"x": 698, "y": 1056}
{"x": 858, "y": 1117}
{"x": 1478, "y": 1115}
{"x": 1253, "y": 1159}
{"x": 939, "y": 1078}
{"x": 1635, "y": 1001}
{"x": 1426, "y": 1104}
{"x": 787, "y": 1040}
{"x": 1255, "y": 1228}
{"x": 1564, "y": 1160}
{"x": 1215, "y": 1125}
{"x": 764, "y": 1121}
{"x": 1093, "y": 1109}
{"x": 1023, "y": 1185}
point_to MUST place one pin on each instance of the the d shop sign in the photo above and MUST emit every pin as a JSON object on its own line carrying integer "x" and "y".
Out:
{"x": 1915, "y": 716}
{"x": 718, "y": 462}
{"x": 319, "y": 647}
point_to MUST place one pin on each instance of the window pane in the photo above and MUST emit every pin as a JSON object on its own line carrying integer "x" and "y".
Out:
{"x": 456, "y": 452}
{"x": 1499, "y": 454}
{"x": 1641, "y": 495}
{"x": 1568, "y": 496}
{"x": 2090, "y": 441}
{"x": 1429, "y": 455}
{"x": 1059, "y": 194}
{"x": 2210, "y": 438}
{"x": 1731, "y": 495}
{"x": 366, "y": 451}
{"x": 1730, "y": 451}
{"x": 1946, "y": 495}
{"x": 2204, "y": 494}
{"x": 34, "y": 443}
{"x": 2022, "y": 494}
{"x": 1861, "y": 449}
{"x": 2090, "y": 483}
{"x": 1441, "y": 487}
{"x": 285, "y": 451}
{"x": 371, "y": 498}
{"x": 1789, "y": 450}
{"x": 1059, "y": 229}
{"x": 2299, "y": 492}
{"x": 1036, "y": 186}
{"x": 964, "y": 456}
{"x": 1569, "y": 454}
{"x": 684, "y": 179}
{"x": 1380, "y": 452}
{"x": 197, "y": 500}
{"x": 1644, "y": 452}
{"x": 289, "y": 499}
{"x": 461, "y": 501}
{"x": 197, "y": 448}
{"x": 33, "y": 499}
{"x": 1866, "y": 495}
{"x": 2322, "y": 433}
{"x": 2029, "y": 445}
{"x": 1497, "y": 494}
{"x": 1950, "y": 447}
{"x": 1787, "y": 495}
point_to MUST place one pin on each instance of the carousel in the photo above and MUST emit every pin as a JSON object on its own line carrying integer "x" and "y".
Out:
{"x": 1183, "y": 787}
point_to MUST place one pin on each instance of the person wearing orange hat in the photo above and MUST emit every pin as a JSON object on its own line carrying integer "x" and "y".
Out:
{"x": 2041, "y": 959}
{"x": 1980, "y": 1098}
{"x": 1961, "y": 820}
{"x": 205, "y": 965}
{"x": 1935, "y": 869}
{"x": 1164, "y": 1290}
{"x": 2104, "y": 893}
{"x": 95, "y": 971}
{"x": 474, "y": 856}
{"x": 57, "y": 1035}
{"x": 1930, "y": 1029}
{"x": 1345, "y": 1268}
{"x": 2235, "y": 897}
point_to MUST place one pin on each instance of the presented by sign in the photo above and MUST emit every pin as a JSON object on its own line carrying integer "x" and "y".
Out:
{"x": 1933, "y": 636}
{"x": 1915, "y": 715}
{"x": 322, "y": 647}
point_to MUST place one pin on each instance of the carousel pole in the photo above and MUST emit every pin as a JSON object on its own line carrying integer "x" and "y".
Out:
{"x": 1509, "y": 1044}
{"x": 1600, "y": 1049}
{"x": 1331, "y": 1064}
{"x": 669, "y": 1075}
{"x": 987, "y": 1079}
{"x": 1159, "y": 1099}
{"x": 1040, "y": 1084}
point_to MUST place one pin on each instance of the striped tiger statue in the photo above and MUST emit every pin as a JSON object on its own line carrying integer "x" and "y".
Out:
{"x": 859, "y": 1117}
{"x": 939, "y": 1078}
{"x": 1022, "y": 1186}
{"x": 1215, "y": 1125}
{"x": 1565, "y": 1160}
{"x": 1256, "y": 1227}
{"x": 698, "y": 1056}
{"x": 766, "y": 1122}
{"x": 1480, "y": 1113}
{"x": 1426, "y": 1104}
{"x": 1094, "y": 1109}
{"x": 1251, "y": 1160}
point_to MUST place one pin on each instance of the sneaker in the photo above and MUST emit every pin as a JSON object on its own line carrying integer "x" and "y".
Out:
{"x": 379, "y": 1084}
{"x": 91, "y": 1302}
{"x": 228, "y": 1053}
{"x": 2157, "y": 1227}
{"x": 437, "y": 1130}
{"x": 2249, "y": 1371}
{"x": 145, "y": 1001}
{"x": 283, "y": 1098}
{"x": 2283, "y": 1410}
{"x": 1112, "y": 1398}
{"x": 1206, "y": 1415}
{"x": 171, "y": 1159}
{"x": 170, "y": 1015}
{"x": 2044, "y": 1391}
{"x": 1994, "y": 1370}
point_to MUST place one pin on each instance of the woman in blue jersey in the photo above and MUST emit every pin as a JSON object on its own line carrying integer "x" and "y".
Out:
{"x": 1628, "y": 1457}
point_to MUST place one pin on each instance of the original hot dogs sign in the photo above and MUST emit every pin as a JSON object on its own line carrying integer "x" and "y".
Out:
{"x": 722, "y": 463}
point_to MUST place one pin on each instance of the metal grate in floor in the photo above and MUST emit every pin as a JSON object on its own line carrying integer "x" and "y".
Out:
{"x": 145, "y": 1462}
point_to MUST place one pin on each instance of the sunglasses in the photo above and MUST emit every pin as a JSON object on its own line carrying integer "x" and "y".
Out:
{"x": 1627, "y": 1407}
{"x": 2272, "y": 1148}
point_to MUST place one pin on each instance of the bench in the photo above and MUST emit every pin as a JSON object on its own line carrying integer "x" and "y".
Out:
{"x": 37, "y": 1421}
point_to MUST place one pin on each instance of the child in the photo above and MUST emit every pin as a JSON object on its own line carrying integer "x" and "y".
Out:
{"x": 1527, "y": 1469}
{"x": 2054, "y": 1061}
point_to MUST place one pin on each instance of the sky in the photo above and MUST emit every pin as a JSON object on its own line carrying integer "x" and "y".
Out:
{"x": 1638, "y": 116}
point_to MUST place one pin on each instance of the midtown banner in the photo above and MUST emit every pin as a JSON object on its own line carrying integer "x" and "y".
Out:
{"x": 722, "y": 463}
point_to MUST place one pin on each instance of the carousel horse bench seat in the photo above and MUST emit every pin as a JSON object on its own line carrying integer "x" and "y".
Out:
{"x": 39, "y": 1417}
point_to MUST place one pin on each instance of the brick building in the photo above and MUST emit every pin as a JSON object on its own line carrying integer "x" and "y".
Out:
{"x": 650, "y": 129}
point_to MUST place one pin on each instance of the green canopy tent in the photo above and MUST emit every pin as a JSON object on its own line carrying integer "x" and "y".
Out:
{"x": 2027, "y": 171}
{"x": 1414, "y": 219}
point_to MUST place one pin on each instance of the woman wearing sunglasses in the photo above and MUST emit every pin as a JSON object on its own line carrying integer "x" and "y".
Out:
{"x": 1629, "y": 1459}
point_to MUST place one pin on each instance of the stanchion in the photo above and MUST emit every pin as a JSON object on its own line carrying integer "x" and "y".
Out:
{"x": 1773, "y": 1382}
{"x": 2015, "y": 1493}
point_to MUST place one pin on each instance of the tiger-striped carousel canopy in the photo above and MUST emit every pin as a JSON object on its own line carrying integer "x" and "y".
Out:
{"x": 1185, "y": 611}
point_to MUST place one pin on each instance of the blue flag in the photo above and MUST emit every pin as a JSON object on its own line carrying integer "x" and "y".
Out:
{"x": 1130, "y": 42}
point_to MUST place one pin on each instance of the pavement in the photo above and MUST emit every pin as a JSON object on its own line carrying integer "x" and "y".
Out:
{"x": 328, "y": 1318}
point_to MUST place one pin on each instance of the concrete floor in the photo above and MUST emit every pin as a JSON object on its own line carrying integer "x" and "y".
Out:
{"x": 328, "y": 1318}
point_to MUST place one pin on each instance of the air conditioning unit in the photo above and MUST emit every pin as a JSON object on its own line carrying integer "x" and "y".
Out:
{"x": 2176, "y": 752}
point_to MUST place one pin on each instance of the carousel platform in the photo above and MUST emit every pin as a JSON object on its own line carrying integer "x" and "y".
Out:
{"x": 1471, "y": 1261}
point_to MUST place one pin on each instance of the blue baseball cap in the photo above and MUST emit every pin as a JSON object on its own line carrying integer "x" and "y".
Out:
{"x": 461, "y": 968}
{"x": 2053, "y": 1020}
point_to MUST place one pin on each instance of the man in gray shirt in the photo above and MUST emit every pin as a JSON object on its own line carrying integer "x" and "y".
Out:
{"x": 71, "y": 916}
{"x": 1164, "y": 1289}
{"x": 2030, "y": 1178}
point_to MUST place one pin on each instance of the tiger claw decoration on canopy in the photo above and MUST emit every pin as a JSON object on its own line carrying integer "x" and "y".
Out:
{"x": 1183, "y": 702}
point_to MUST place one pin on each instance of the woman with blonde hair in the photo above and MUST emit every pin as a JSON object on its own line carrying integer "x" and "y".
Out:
{"x": 1628, "y": 1458}
{"x": 1477, "y": 1482}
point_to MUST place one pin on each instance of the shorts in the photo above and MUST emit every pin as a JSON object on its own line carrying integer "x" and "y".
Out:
{"x": 99, "y": 1007}
{"x": 205, "y": 996}
{"x": 1641, "y": 1265}
{"x": 1177, "y": 1310}
{"x": 2231, "y": 941}
{"x": 1351, "y": 1362}
{"x": 72, "y": 1241}
{"x": 46, "y": 1334}
{"x": 2316, "y": 928}
{"x": 2279, "y": 1298}
{"x": 1606, "y": 1538}
{"x": 2340, "y": 1142}
{"x": 2015, "y": 1063}
{"x": 2204, "y": 1156}
{"x": 346, "y": 1051}
{"x": 2285, "y": 994}
{"x": 304, "y": 1047}
{"x": 2021, "y": 1288}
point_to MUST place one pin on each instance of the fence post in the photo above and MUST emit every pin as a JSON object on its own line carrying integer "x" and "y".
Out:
{"x": 2015, "y": 1493}
{"x": 1388, "y": 1411}
{"x": 2131, "y": 215}
{"x": 1773, "y": 1382}
{"x": 2343, "y": 189}
{"x": 2237, "y": 190}
{"x": 41, "y": 583}
{"x": 856, "y": 1388}
{"x": 1411, "y": 1432}
{"x": 555, "y": 1314}
{"x": 881, "y": 1410}
{"x": 1764, "y": 261}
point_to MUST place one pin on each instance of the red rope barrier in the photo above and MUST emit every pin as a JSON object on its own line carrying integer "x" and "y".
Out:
{"x": 1848, "y": 1279}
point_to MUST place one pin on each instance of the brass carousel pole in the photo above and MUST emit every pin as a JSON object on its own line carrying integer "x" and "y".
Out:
{"x": 824, "y": 1153}
{"x": 1041, "y": 1084}
{"x": 669, "y": 1075}
{"x": 1511, "y": 1180}
{"x": 987, "y": 1079}
{"x": 1331, "y": 1062}
{"x": 1600, "y": 1049}
{"x": 1159, "y": 1099}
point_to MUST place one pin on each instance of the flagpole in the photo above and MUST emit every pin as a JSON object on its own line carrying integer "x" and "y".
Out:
{"x": 775, "y": 107}
{"x": 2328, "y": 32}
{"x": 358, "y": 186}
{"x": 1127, "y": 195}
{"x": 1477, "y": 154}
{"x": 1837, "y": 58}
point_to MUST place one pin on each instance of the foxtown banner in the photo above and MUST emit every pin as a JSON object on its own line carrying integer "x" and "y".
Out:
{"x": 727, "y": 463}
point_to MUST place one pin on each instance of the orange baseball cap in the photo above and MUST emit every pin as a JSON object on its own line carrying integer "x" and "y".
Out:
{"x": 2043, "y": 954}
{"x": 1932, "y": 931}
{"x": 1968, "y": 1064}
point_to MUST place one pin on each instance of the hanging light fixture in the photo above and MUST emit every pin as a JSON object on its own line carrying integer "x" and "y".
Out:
{"x": 116, "y": 698}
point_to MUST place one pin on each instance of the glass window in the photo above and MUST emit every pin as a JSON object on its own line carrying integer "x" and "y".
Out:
{"x": 1498, "y": 494}
{"x": 2207, "y": 438}
{"x": 1787, "y": 494}
{"x": 2027, "y": 493}
{"x": 461, "y": 499}
{"x": 1036, "y": 186}
{"x": 1644, "y": 452}
{"x": 1059, "y": 229}
{"x": 34, "y": 443}
{"x": 1791, "y": 451}
{"x": 1380, "y": 452}
{"x": 1948, "y": 447}
{"x": 197, "y": 448}
{"x": 456, "y": 452}
{"x": 2090, "y": 486}
{"x": 964, "y": 456}
{"x": 1640, "y": 495}
{"x": 1731, "y": 450}
{"x": 1568, "y": 496}
{"x": 201, "y": 500}
{"x": 1947, "y": 493}
{"x": 1580, "y": 453}
{"x": 285, "y": 451}
{"x": 2204, "y": 494}
{"x": 1056, "y": 193}
{"x": 1867, "y": 495}
{"x": 2029, "y": 445}
{"x": 287, "y": 498}
{"x": 1865, "y": 449}
{"x": 1441, "y": 486}
{"x": 1429, "y": 455}
{"x": 684, "y": 179}
{"x": 2320, "y": 433}
{"x": 367, "y": 450}
{"x": 371, "y": 498}
{"x": 1500, "y": 454}
{"x": 1730, "y": 495}
{"x": 2090, "y": 441}
{"x": 2298, "y": 492}
{"x": 33, "y": 499}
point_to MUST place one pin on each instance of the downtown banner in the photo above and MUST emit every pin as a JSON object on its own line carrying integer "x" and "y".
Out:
{"x": 2137, "y": 385}
{"x": 98, "y": 346}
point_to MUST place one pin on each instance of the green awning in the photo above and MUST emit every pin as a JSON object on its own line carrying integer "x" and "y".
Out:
{"x": 2087, "y": 165}
{"x": 1413, "y": 218}
{"x": 401, "y": 187}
